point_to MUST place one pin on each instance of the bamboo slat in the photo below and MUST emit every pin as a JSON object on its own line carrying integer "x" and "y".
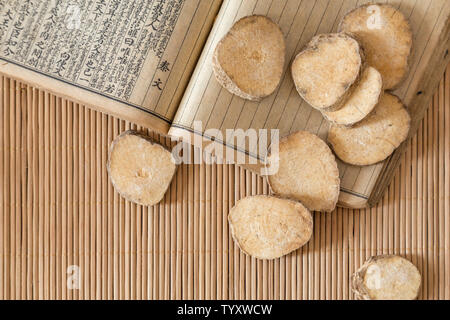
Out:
{"x": 58, "y": 210}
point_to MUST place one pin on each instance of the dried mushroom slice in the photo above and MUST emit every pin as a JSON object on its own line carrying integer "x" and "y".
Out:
{"x": 326, "y": 71}
{"x": 268, "y": 227}
{"x": 249, "y": 60}
{"x": 387, "y": 277}
{"x": 386, "y": 37}
{"x": 140, "y": 170}
{"x": 375, "y": 138}
{"x": 361, "y": 102}
{"x": 307, "y": 172}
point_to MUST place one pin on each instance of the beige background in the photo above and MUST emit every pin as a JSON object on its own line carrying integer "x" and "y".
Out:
{"x": 57, "y": 208}
{"x": 204, "y": 99}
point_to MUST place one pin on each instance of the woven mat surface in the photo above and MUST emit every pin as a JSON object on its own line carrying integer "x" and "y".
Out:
{"x": 65, "y": 233}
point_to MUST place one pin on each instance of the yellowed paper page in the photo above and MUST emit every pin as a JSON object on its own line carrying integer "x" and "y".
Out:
{"x": 206, "y": 101}
{"x": 132, "y": 59}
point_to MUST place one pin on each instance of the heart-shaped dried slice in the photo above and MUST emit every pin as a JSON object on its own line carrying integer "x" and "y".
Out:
{"x": 386, "y": 38}
{"x": 249, "y": 60}
{"x": 387, "y": 277}
{"x": 140, "y": 170}
{"x": 374, "y": 138}
{"x": 307, "y": 171}
{"x": 361, "y": 102}
{"x": 268, "y": 227}
{"x": 325, "y": 72}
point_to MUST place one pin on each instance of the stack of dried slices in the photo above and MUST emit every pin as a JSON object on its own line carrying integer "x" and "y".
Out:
{"x": 344, "y": 75}
{"x": 249, "y": 62}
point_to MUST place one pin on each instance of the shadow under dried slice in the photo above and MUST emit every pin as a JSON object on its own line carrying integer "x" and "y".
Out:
{"x": 386, "y": 38}
{"x": 375, "y": 138}
{"x": 361, "y": 102}
{"x": 387, "y": 277}
{"x": 307, "y": 171}
{"x": 249, "y": 60}
{"x": 268, "y": 227}
{"x": 140, "y": 170}
{"x": 326, "y": 70}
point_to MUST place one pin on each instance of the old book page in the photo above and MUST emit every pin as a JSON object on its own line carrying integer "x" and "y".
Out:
{"x": 208, "y": 104}
{"x": 132, "y": 59}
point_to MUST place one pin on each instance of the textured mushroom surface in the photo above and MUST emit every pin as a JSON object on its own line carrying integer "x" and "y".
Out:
{"x": 387, "y": 277}
{"x": 267, "y": 227}
{"x": 307, "y": 172}
{"x": 375, "y": 138}
{"x": 325, "y": 72}
{"x": 361, "y": 102}
{"x": 249, "y": 60}
{"x": 386, "y": 38}
{"x": 140, "y": 170}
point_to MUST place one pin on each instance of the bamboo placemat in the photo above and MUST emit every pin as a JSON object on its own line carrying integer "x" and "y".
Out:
{"x": 58, "y": 209}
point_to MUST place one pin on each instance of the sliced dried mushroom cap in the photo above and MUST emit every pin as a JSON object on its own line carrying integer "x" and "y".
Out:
{"x": 307, "y": 171}
{"x": 327, "y": 70}
{"x": 386, "y": 38}
{"x": 361, "y": 102}
{"x": 249, "y": 60}
{"x": 375, "y": 138}
{"x": 140, "y": 170}
{"x": 268, "y": 227}
{"x": 387, "y": 277}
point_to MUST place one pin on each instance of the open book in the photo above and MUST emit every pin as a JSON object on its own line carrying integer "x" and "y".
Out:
{"x": 149, "y": 61}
